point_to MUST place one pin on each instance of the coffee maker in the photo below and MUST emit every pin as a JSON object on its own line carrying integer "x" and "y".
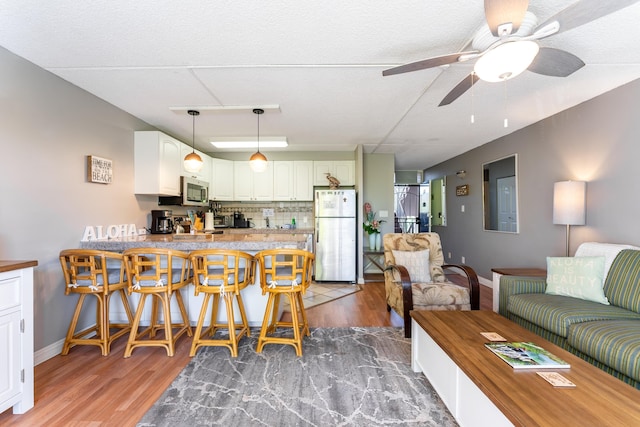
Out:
{"x": 238, "y": 220}
{"x": 161, "y": 222}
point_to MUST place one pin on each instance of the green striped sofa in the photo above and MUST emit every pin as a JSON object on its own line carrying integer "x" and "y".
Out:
{"x": 608, "y": 336}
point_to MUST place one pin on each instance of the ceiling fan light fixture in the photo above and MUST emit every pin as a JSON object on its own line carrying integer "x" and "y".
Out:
{"x": 506, "y": 61}
{"x": 192, "y": 161}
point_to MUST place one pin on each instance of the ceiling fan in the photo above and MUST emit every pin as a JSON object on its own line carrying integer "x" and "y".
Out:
{"x": 507, "y": 45}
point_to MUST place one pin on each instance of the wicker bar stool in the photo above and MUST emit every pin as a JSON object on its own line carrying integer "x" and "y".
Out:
{"x": 284, "y": 272}
{"x": 221, "y": 273}
{"x": 101, "y": 274}
{"x": 159, "y": 273}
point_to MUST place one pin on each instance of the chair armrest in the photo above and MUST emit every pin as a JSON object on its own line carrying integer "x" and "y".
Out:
{"x": 407, "y": 294}
{"x": 472, "y": 283}
{"x": 514, "y": 285}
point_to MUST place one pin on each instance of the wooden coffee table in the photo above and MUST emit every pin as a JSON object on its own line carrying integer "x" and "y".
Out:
{"x": 481, "y": 389}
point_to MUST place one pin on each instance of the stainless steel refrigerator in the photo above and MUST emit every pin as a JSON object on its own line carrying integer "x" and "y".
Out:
{"x": 335, "y": 215}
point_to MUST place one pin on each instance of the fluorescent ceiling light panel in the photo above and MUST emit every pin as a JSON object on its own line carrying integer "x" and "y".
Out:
{"x": 250, "y": 142}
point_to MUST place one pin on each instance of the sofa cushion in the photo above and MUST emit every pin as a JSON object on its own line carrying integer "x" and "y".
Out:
{"x": 615, "y": 343}
{"x": 556, "y": 313}
{"x": 622, "y": 286}
{"x": 577, "y": 277}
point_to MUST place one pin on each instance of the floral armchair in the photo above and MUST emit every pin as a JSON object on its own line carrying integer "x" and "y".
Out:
{"x": 414, "y": 277}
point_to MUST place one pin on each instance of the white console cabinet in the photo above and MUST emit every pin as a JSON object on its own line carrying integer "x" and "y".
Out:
{"x": 16, "y": 335}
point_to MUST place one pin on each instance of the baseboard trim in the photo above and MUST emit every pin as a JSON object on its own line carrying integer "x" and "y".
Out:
{"x": 48, "y": 352}
{"x": 485, "y": 282}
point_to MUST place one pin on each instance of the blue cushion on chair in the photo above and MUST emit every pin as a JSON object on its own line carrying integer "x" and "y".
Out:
{"x": 176, "y": 275}
{"x": 113, "y": 276}
{"x": 284, "y": 271}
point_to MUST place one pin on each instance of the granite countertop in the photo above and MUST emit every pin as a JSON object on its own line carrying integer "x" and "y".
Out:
{"x": 16, "y": 265}
{"x": 256, "y": 240}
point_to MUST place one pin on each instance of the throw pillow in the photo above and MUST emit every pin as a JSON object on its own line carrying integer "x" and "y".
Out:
{"x": 416, "y": 262}
{"x": 577, "y": 277}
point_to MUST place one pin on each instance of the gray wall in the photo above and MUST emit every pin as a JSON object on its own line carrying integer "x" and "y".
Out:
{"x": 47, "y": 128}
{"x": 378, "y": 176}
{"x": 597, "y": 142}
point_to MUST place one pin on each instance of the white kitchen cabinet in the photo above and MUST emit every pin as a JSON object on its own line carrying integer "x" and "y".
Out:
{"x": 344, "y": 170}
{"x": 250, "y": 185}
{"x": 221, "y": 179}
{"x": 16, "y": 338}
{"x": 203, "y": 174}
{"x": 157, "y": 164}
{"x": 293, "y": 180}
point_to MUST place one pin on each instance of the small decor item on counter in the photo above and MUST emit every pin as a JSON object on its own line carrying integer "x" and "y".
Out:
{"x": 378, "y": 241}
{"x": 371, "y": 224}
{"x": 293, "y": 223}
{"x": 333, "y": 181}
{"x": 372, "y": 241}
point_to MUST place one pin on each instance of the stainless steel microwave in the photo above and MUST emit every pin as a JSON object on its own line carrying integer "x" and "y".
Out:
{"x": 194, "y": 192}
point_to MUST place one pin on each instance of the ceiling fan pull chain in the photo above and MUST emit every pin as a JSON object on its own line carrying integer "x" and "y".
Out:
{"x": 506, "y": 120}
{"x": 473, "y": 117}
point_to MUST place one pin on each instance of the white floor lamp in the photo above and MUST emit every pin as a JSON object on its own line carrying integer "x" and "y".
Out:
{"x": 569, "y": 204}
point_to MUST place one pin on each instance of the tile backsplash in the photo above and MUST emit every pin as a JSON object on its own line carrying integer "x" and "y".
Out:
{"x": 283, "y": 212}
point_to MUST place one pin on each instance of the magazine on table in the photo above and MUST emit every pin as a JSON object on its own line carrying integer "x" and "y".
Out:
{"x": 526, "y": 355}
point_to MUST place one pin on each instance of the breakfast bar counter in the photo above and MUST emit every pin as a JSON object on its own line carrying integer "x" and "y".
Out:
{"x": 247, "y": 240}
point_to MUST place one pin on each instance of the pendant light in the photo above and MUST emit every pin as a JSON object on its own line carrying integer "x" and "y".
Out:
{"x": 193, "y": 162}
{"x": 258, "y": 161}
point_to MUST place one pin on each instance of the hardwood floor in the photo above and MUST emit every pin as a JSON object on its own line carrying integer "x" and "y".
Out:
{"x": 87, "y": 389}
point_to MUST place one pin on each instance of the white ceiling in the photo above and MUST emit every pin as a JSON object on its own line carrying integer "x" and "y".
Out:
{"x": 321, "y": 62}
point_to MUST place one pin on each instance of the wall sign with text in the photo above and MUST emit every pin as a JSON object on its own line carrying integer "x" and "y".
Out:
{"x": 99, "y": 170}
{"x": 462, "y": 190}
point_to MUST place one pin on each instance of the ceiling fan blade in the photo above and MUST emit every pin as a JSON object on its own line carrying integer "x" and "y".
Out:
{"x": 499, "y": 12}
{"x": 585, "y": 11}
{"x": 460, "y": 88}
{"x": 436, "y": 61}
{"x": 555, "y": 62}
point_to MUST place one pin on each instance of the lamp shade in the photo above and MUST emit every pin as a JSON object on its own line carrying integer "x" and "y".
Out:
{"x": 569, "y": 202}
{"x": 258, "y": 162}
{"x": 192, "y": 161}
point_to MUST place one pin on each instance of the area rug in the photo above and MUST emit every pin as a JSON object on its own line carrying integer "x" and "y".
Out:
{"x": 346, "y": 377}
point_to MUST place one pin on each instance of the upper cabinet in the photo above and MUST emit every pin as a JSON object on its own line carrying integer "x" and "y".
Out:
{"x": 157, "y": 163}
{"x": 250, "y": 185}
{"x": 221, "y": 179}
{"x": 203, "y": 174}
{"x": 344, "y": 170}
{"x": 293, "y": 180}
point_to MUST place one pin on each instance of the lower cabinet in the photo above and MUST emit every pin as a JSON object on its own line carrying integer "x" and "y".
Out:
{"x": 16, "y": 340}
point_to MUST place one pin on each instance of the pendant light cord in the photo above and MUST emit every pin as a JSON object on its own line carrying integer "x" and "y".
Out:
{"x": 193, "y": 113}
{"x": 258, "y": 111}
